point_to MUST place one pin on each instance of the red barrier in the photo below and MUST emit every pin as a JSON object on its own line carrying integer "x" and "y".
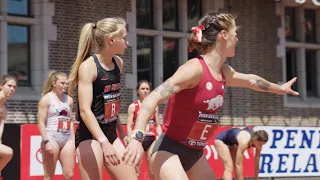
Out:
{"x": 31, "y": 158}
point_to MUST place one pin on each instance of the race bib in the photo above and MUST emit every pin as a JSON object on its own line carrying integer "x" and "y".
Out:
{"x": 151, "y": 127}
{"x": 202, "y": 130}
{"x": 111, "y": 106}
{"x": 64, "y": 124}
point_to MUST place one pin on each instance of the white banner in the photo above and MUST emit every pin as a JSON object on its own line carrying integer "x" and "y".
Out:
{"x": 36, "y": 167}
{"x": 290, "y": 151}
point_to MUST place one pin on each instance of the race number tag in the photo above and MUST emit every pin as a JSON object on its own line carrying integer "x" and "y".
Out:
{"x": 151, "y": 127}
{"x": 111, "y": 106}
{"x": 202, "y": 130}
{"x": 64, "y": 124}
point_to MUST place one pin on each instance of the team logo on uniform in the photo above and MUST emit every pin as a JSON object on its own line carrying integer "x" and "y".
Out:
{"x": 104, "y": 78}
{"x": 214, "y": 103}
{"x": 209, "y": 86}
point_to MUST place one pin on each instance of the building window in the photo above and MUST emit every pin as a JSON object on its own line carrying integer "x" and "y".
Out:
{"x": 291, "y": 65}
{"x": 145, "y": 14}
{"x": 302, "y": 56}
{"x": 24, "y": 49}
{"x": 145, "y": 58}
{"x": 170, "y": 56}
{"x": 194, "y": 13}
{"x": 19, "y": 53}
{"x": 311, "y": 73}
{"x": 165, "y": 44}
{"x": 290, "y": 24}
{"x": 18, "y": 7}
{"x": 310, "y": 25}
{"x": 170, "y": 15}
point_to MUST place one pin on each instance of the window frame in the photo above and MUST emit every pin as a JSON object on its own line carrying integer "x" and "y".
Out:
{"x": 28, "y": 82}
{"x": 152, "y": 16}
{"x": 29, "y": 14}
{"x": 152, "y": 60}
{"x": 177, "y": 23}
{"x": 40, "y": 33}
{"x": 303, "y": 101}
{"x": 158, "y": 33}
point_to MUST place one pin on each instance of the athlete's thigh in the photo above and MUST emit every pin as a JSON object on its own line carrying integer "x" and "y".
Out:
{"x": 117, "y": 172}
{"x": 50, "y": 161}
{"x": 223, "y": 152}
{"x": 201, "y": 170}
{"x": 67, "y": 157}
{"x": 167, "y": 166}
{"x": 90, "y": 158}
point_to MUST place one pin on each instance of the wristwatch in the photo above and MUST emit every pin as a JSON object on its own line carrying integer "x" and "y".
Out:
{"x": 45, "y": 141}
{"x": 138, "y": 135}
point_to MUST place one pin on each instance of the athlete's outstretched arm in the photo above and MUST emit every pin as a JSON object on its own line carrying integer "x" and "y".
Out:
{"x": 157, "y": 122}
{"x": 255, "y": 82}
{"x": 257, "y": 162}
{"x": 187, "y": 76}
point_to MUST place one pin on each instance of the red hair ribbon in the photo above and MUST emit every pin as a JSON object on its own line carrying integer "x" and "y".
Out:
{"x": 198, "y": 32}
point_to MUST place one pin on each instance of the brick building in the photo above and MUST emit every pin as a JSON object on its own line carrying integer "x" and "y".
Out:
{"x": 278, "y": 39}
{"x": 274, "y": 42}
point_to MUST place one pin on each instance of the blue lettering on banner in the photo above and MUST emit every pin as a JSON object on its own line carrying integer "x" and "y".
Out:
{"x": 282, "y": 163}
{"x": 313, "y": 163}
{"x": 306, "y": 139}
{"x": 290, "y": 151}
{"x": 266, "y": 160}
{"x": 278, "y": 134}
{"x": 294, "y": 170}
{"x": 291, "y": 138}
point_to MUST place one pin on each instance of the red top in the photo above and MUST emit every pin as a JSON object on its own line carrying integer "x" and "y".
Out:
{"x": 151, "y": 126}
{"x": 189, "y": 116}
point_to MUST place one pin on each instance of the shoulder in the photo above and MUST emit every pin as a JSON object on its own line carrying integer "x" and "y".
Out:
{"x": 45, "y": 100}
{"x": 87, "y": 64}
{"x": 131, "y": 107}
{"x": 189, "y": 73}
{"x": 88, "y": 69}
{"x": 243, "y": 137}
{"x": 194, "y": 64}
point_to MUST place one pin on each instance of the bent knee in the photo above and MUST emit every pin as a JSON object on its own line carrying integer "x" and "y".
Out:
{"x": 228, "y": 167}
{"x": 7, "y": 153}
{"x": 68, "y": 175}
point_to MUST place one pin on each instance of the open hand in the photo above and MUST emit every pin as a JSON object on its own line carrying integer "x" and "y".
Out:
{"x": 286, "y": 88}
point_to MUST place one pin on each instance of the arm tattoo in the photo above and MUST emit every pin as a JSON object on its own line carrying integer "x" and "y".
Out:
{"x": 262, "y": 84}
{"x": 166, "y": 89}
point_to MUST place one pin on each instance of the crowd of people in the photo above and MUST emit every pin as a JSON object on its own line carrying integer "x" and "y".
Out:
{"x": 194, "y": 94}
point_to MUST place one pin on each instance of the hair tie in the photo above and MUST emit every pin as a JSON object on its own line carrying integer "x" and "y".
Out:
{"x": 198, "y": 32}
{"x": 94, "y": 25}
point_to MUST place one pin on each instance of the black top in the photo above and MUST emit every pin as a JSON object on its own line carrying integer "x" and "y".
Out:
{"x": 106, "y": 94}
{"x": 230, "y": 137}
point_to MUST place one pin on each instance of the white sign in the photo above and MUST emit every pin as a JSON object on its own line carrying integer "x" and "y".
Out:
{"x": 290, "y": 151}
{"x": 315, "y": 2}
{"x": 36, "y": 167}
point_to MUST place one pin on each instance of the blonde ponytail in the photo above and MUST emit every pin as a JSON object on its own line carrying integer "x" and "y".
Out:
{"x": 93, "y": 34}
{"x": 85, "y": 48}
